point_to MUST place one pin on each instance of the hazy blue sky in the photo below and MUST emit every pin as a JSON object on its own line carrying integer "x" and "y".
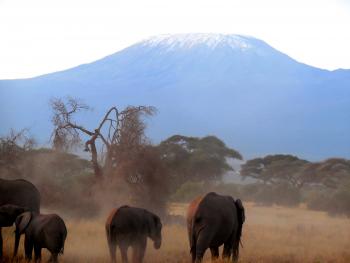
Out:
{"x": 41, "y": 36}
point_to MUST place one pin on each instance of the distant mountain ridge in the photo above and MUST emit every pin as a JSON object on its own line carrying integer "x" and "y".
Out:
{"x": 254, "y": 97}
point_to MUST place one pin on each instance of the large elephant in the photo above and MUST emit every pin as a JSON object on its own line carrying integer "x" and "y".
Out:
{"x": 19, "y": 193}
{"x": 41, "y": 231}
{"x": 130, "y": 226}
{"x": 212, "y": 221}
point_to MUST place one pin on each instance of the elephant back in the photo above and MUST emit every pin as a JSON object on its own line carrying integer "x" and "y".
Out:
{"x": 21, "y": 193}
{"x": 110, "y": 217}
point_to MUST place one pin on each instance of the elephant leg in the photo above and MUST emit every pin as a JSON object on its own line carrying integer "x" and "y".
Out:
{"x": 235, "y": 247}
{"x": 112, "y": 250}
{"x": 202, "y": 245}
{"x": 28, "y": 248}
{"x": 54, "y": 257}
{"x": 226, "y": 253}
{"x": 235, "y": 251}
{"x": 124, "y": 252}
{"x": 0, "y": 243}
{"x": 214, "y": 253}
{"x": 37, "y": 253}
{"x": 193, "y": 254}
{"x": 139, "y": 250}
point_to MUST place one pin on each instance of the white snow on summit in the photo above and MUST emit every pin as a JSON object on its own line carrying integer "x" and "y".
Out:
{"x": 171, "y": 42}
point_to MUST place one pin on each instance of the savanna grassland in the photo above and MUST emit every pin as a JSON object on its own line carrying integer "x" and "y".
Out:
{"x": 271, "y": 234}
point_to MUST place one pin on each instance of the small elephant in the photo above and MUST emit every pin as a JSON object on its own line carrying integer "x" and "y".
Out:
{"x": 212, "y": 221}
{"x": 130, "y": 226}
{"x": 41, "y": 231}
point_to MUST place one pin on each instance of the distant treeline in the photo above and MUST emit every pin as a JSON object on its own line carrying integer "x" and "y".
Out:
{"x": 193, "y": 166}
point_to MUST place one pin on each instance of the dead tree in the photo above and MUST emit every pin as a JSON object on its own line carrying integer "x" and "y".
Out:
{"x": 119, "y": 134}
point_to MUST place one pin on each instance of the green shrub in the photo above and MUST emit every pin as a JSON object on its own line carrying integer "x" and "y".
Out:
{"x": 339, "y": 203}
{"x": 269, "y": 194}
{"x": 231, "y": 189}
{"x": 333, "y": 201}
{"x": 189, "y": 191}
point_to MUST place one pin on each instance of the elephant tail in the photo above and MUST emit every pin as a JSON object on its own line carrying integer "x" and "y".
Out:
{"x": 241, "y": 219}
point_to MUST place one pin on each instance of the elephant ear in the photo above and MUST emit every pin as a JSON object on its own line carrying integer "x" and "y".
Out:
{"x": 240, "y": 210}
{"x": 22, "y": 221}
{"x": 154, "y": 225}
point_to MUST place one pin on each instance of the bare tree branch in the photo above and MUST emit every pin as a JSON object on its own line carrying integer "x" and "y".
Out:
{"x": 122, "y": 133}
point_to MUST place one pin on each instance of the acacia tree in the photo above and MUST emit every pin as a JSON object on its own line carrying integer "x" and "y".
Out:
{"x": 277, "y": 169}
{"x": 196, "y": 159}
{"x": 120, "y": 133}
{"x": 297, "y": 172}
{"x": 331, "y": 173}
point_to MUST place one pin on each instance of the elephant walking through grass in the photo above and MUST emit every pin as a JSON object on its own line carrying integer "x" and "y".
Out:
{"x": 212, "y": 221}
{"x": 130, "y": 226}
{"x": 42, "y": 231}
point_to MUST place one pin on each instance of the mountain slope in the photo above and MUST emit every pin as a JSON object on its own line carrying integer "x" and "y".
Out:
{"x": 256, "y": 98}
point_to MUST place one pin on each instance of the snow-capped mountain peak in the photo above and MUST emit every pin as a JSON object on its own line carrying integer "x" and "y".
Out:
{"x": 187, "y": 41}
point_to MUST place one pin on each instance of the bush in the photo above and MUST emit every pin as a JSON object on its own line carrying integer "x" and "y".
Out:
{"x": 317, "y": 199}
{"x": 339, "y": 203}
{"x": 231, "y": 189}
{"x": 333, "y": 201}
{"x": 249, "y": 191}
{"x": 279, "y": 194}
{"x": 189, "y": 191}
{"x": 266, "y": 194}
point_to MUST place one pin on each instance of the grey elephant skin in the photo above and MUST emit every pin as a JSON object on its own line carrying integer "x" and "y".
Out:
{"x": 19, "y": 193}
{"x": 130, "y": 226}
{"x": 212, "y": 221}
{"x": 42, "y": 231}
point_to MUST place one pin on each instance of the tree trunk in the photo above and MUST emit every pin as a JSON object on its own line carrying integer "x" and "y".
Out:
{"x": 94, "y": 160}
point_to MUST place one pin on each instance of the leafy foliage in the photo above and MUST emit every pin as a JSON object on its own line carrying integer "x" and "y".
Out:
{"x": 276, "y": 169}
{"x": 196, "y": 159}
{"x": 297, "y": 172}
{"x": 331, "y": 173}
{"x": 146, "y": 178}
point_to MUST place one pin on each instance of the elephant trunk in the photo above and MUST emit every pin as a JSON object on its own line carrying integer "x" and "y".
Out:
{"x": 157, "y": 243}
{"x": 17, "y": 239}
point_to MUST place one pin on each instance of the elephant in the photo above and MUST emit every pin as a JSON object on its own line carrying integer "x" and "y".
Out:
{"x": 41, "y": 231}
{"x": 214, "y": 220}
{"x": 19, "y": 193}
{"x": 130, "y": 226}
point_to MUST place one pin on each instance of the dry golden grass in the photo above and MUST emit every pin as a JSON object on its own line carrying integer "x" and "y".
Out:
{"x": 271, "y": 234}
